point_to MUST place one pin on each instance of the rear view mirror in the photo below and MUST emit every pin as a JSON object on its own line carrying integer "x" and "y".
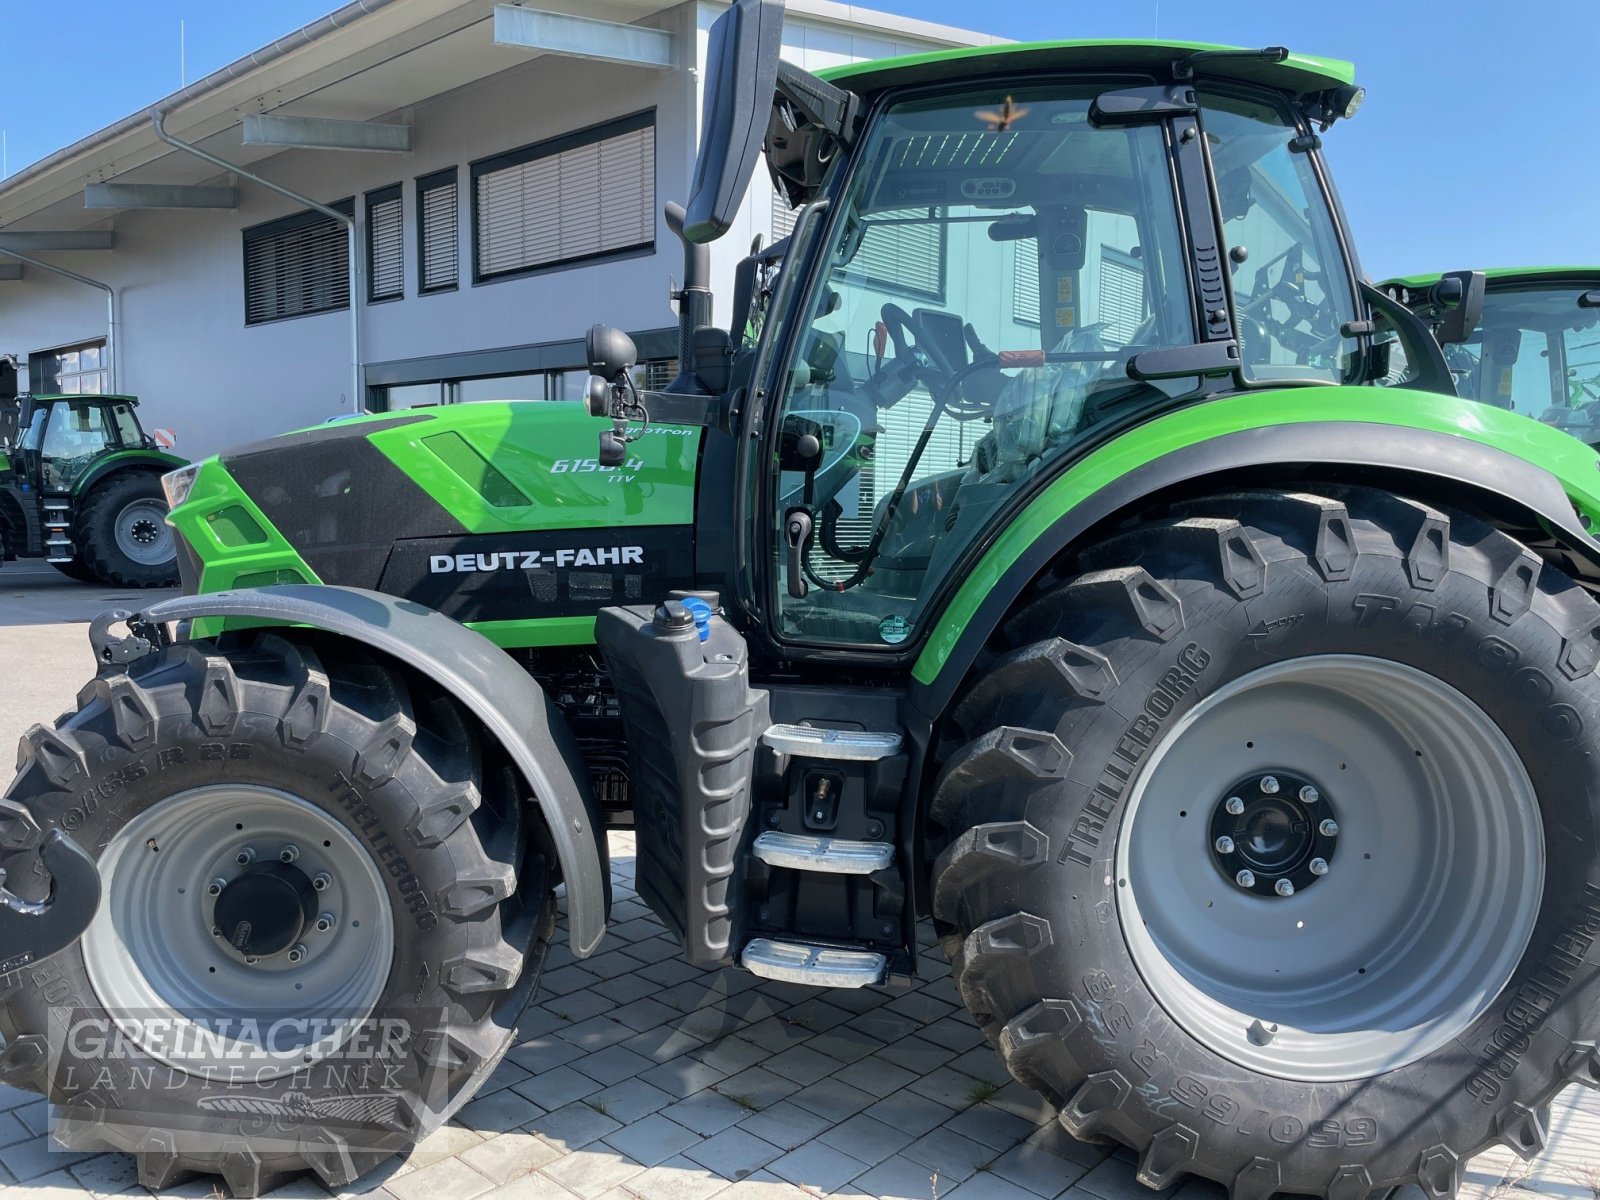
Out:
{"x": 742, "y": 73}
{"x": 1458, "y": 298}
{"x": 1589, "y": 300}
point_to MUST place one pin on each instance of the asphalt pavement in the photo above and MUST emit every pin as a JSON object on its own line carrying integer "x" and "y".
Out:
{"x": 44, "y": 643}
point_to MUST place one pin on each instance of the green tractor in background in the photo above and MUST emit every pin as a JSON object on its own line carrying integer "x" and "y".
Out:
{"x": 1536, "y": 348}
{"x": 1044, "y": 568}
{"x": 80, "y": 486}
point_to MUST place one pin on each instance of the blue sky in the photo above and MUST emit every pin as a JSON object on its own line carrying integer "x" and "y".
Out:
{"x": 1476, "y": 146}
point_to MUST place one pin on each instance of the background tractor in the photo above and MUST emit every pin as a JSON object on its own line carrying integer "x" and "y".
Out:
{"x": 1536, "y": 348}
{"x": 80, "y": 486}
{"x": 1041, "y": 568}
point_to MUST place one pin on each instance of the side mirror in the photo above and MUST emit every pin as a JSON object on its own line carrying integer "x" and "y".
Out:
{"x": 741, "y": 76}
{"x": 610, "y": 352}
{"x": 1458, "y": 297}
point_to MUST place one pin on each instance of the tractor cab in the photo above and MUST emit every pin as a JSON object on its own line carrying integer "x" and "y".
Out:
{"x": 1003, "y": 258}
{"x": 1534, "y": 350}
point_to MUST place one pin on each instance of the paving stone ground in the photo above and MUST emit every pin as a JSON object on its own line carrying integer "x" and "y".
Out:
{"x": 638, "y": 1077}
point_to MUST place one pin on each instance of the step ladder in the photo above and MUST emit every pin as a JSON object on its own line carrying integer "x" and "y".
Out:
{"x": 58, "y": 546}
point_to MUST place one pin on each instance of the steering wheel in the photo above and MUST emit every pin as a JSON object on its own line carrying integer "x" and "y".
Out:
{"x": 921, "y": 349}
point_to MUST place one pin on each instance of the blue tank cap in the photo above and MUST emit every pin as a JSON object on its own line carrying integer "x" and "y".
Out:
{"x": 701, "y": 611}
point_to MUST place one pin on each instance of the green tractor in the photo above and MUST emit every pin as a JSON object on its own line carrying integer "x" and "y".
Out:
{"x": 1042, "y": 568}
{"x": 1536, "y": 348}
{"x": 80, "y": 486}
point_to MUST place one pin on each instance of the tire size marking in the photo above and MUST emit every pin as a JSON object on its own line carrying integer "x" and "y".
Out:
{"x": 1176, "y": 682}
{"x": 1535, "y": 999}
{"x": 1222, "y": 1109}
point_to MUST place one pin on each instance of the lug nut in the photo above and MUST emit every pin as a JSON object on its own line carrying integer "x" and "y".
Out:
{"x": 1310, "y": 794}
{"x": 325, "y": 922}
{"x": 1235, "y": 806}
{"x": 214, "y": 888}
{"x": 1269, "y": 785}
{"x": 297, "y": 952}
{"x": 245, "y": 857}
{"x": 1245, "y": 878}
{"x": 322, "y": 881}
{"x": 1319, "y": 866}
{"x": 1224, "y": 844}
{"x": 288, "y": 854}
{"x": 1283, "y": 887}
{"x": 250, "y": 960}
{"x": 1329, "y": 828}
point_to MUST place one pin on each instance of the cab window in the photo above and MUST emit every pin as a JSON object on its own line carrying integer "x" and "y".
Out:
{"x": 992, "y": 266}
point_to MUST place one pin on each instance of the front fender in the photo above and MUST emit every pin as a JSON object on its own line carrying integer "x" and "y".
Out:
{"x": 511, "y": 706}
{"x": 1497, "y": 455}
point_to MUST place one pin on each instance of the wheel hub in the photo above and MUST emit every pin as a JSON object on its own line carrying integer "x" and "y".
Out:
{"x": 1273, "y": 833}
{"x": 266, "y": 909}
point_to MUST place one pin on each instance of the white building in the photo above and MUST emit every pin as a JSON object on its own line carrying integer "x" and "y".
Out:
{"x": 525, "y": 207}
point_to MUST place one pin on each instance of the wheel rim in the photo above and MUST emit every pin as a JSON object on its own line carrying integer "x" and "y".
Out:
{"x": 151, "y": 950}
{"x": 142, "y": 533}
{"x": 1420, "y": 916}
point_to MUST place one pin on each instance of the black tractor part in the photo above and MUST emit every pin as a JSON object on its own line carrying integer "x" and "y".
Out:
{"x": 1270, "y": 844}
{"x": 287, "y": 829}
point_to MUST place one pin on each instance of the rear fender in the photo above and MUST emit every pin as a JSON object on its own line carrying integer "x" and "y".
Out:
{"x": 488, "y": 683}
{"x": 157, "y": 461}
{"x": 1557, "y": 498}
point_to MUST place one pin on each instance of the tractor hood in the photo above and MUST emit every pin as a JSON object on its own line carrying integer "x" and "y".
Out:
{"x": 495, "y": 514}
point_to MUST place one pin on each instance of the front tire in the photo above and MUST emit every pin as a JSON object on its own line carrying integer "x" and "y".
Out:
{"x": 237, "y": 795}
{"x": 1402, "y": 696}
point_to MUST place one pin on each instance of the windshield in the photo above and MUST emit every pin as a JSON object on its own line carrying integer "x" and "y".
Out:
{"x": 1537, "y": 353}
{"x": 1291, "y": 288}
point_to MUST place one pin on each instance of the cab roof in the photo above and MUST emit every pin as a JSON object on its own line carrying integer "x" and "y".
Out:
{"x": 1299, "y": 74}
{"x": 1500, "y": 275}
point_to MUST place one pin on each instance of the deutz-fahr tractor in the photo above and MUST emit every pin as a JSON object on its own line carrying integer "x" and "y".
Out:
{"x": 1024, "y": 556}
{"x": 1536, "y": 348}
{"x": 80, "y": 486}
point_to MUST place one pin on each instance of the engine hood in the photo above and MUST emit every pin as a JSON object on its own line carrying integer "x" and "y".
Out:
{"x": 487, "y": 512}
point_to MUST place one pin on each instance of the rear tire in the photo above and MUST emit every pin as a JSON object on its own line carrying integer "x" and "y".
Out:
{"x": 396, "y": 810}
{"x": 1076, "y": 932}
{"x": 121, "y": 533}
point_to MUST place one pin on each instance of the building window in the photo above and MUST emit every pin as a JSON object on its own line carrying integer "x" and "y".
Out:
{"x": 438, "y": 231}
{"x": 903, "y": 251}
{"x": 69, "y": 371}
{"x": 296, "y": 266}
{"x": 1025, "y": 282}
{"x": 386, "y": 265}
{"x": 584, "y": 196}
{"x": 783, "y": 216}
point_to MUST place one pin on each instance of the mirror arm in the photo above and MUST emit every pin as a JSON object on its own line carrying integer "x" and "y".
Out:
{"x": 829, "y": 108}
